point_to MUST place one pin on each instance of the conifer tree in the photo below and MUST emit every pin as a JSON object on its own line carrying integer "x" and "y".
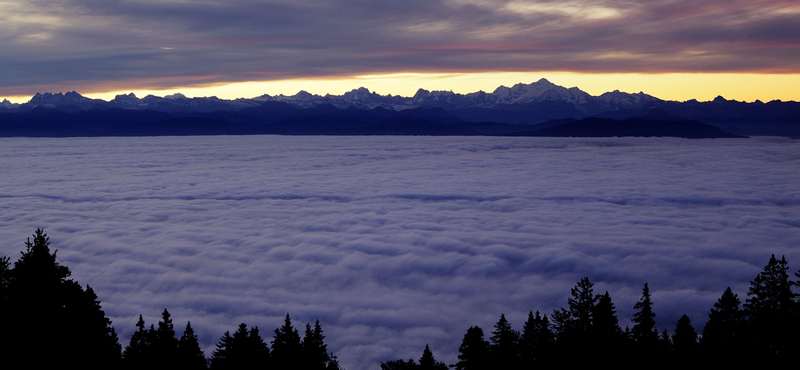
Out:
{"x": 399, "y": 365}
{"x": 315, "y": 352}
{"x": 644, "y": 329}
{"x": 166, "y": 330}
{"x": 527, "y": 340}
{"x": 771, "y": 311}
{"x": 561, "y": 322}
{"x": 608, "y": 341}
{"x": 684, "y": 342}
{"x": 504, "y": 352}
{"x": 5, "y": 280}
{"x": 245, "y": 349}
{"x": 474, "y": 351}
{"x": 54, "y": 312}
{"x": 536, "y": 342}
{"x": 190, "y": 356}
{"x": 164, "y": 344}
{"x": 137, "y": 350}
{"x": 664, "y": 348}
{"x": 220, "y": 358}
{"x": 606, "y": 324}
{"x": 333, "y": 364}
{"x": 257, "y": 349}
{"x": 581, "y": 306}
{"x": 91, "y": 328}
{"x": 574, "y": 324}
{"x": 770, "y": 292}
{"x": 238, "y": 351}
{"x": 428, "y": 362}
{"x": 286, "y": 346}
{"x": 722, "y": 337}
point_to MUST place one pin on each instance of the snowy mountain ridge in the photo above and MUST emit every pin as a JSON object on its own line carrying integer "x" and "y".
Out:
{"x": 520, "y": 94}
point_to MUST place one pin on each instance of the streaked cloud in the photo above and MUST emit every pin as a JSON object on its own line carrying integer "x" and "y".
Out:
{"x": 571, "y": 9}
{"x": 89, "y": 45}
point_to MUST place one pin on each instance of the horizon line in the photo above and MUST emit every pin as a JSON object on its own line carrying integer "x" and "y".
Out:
{"x": 669, "y": 87}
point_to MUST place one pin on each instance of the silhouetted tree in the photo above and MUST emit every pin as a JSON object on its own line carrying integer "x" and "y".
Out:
{"x": 684, "y": 343}
{"x": 722, "y": 341}
{"x": 244, "y": 350}
{"x": 190, "y": 356}
{"x": 286, "y": 346}
{"x": 314, "y": 350}
{"x": 221, "y": 357}
{"x": 259, "y": 354}
{"x": 664, "y": 348}
{"x": 724, "y": 326}
{"x": 574, "y": 324}
{"x": 399, "y": 365}
{"x": 428, "y": 362}
{"x": 644, "y": 329}
{"x": 5, "y": 280}
{"x": 771, "y": 311}
{"x": 581, "y": 306}
{"x": 504, "y": 352}
{"x": 536, "y": 342}
{"x": 54, "y": 312}
{"x": 333, "y": 363}
{"x": 164, "y": 345}
{"x": 608, "y": 341}
{"x": 474, "y": 351}
{"x": 239, "y": 353}
{"x": 606, "y": 324}
{"x": 91, "y": 329}
{"x": 136, "y": 352}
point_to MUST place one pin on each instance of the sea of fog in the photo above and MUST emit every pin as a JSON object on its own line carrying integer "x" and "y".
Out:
{"x": 397, "y": 242}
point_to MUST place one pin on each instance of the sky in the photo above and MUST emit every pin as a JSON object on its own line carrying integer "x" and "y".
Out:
{"x": 398, "y": 242}
{"x": 672, "y": 49}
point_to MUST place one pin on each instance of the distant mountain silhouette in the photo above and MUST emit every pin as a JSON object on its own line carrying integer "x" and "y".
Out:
{"x": 506, "y": 110}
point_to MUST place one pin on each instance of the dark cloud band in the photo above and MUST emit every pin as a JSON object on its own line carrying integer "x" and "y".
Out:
{"x": 160, "y": 44}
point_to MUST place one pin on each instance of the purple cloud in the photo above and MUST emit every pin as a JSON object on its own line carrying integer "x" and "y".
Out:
{"x": 395, "y": 242}
{"x": 87, "y": 44}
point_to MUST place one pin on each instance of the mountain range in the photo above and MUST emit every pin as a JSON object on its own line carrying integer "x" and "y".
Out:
{"x": 522, "y": 108}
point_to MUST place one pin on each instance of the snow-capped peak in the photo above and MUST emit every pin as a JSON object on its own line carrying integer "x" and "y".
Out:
{"x": 175, "y": 96}
{"x": 539, "y": 90}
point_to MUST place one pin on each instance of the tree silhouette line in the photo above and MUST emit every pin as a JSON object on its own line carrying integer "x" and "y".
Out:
{"x": 245, "y": 349}
{"x": 763, "y": 332}
{"x": 51, "y": 321}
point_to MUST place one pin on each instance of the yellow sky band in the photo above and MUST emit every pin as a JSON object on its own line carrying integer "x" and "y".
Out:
{"x": 669, "y": 86}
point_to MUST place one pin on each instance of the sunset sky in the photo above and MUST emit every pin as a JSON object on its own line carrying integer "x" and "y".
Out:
{"x": 673, "y": 49}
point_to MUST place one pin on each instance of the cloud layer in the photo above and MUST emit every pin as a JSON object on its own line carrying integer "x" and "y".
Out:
{"x": 82, "y": 44}
{"x": 395, "y": 242}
